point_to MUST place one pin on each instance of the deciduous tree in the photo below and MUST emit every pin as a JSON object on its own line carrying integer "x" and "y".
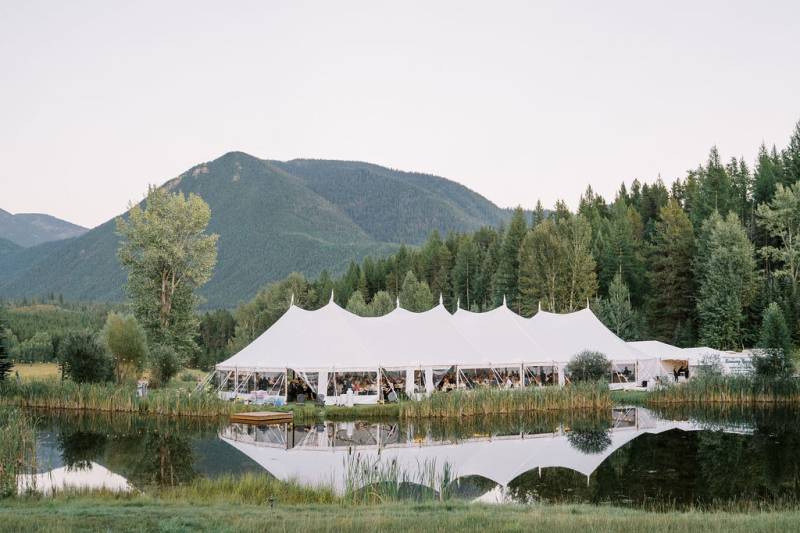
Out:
{"x": 168, "y": 255}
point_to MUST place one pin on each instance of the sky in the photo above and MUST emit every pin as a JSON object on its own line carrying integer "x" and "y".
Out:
{"x": 517, "y": 100}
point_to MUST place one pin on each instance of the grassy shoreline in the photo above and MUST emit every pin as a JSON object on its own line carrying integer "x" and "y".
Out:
{"x": 69, "y": 396}
{"x": 178, "y": 402}
{"x": 143, "y": 513}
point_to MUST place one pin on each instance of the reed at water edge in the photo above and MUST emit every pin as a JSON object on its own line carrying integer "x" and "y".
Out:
{"x": 17, "y": 448}
{"x": 508, "y": 401}
{"x": 113, "y": 398}
{"x": 729, "y": 390}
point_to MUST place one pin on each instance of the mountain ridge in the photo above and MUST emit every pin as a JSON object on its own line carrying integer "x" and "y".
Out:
{"x": 31, "y": 229}
{"x": 273, "y": 218}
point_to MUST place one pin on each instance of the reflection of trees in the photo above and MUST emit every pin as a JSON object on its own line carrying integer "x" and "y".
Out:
{"x": 761, "y": 466}
{"x": 163, "y": 459}
{"x": 590, "y": 436}
{"x": 471, "y": 487}
{"x": 589, "y": 441}
{"x": 550, "y": 485}
{"x": 80, "y": 448}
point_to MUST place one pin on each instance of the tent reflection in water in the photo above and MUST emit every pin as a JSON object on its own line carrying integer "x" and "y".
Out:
{"x": 355, "y": 360}
{"x": 323, "y": 454}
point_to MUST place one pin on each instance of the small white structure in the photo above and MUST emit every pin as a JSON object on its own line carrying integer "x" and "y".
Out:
{"x": 671, "y": 358}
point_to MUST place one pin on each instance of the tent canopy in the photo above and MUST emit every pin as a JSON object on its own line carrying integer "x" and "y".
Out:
{"x": 333, "y": 339}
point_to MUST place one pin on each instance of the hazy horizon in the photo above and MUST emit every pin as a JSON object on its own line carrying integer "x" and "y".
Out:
{"x": 518, "y": 102}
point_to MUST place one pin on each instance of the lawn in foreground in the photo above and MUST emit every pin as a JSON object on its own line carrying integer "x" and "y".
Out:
{"x": 86, "y": 513}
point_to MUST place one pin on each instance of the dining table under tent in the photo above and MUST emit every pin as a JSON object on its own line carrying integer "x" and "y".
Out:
{"x": 506, "y": 353}
{"x": 348, "y": 359}
{"x": 317, "y": 346}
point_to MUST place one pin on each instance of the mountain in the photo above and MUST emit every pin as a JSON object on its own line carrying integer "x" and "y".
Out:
{"x": 7, "y": 247}
{"x": 30, "y": 229}
{"x": 273, "y": 218}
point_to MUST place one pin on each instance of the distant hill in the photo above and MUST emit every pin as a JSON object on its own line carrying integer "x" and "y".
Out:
{"x": 30, "y": 229}
{"x": 272, "y": 218}
{"x": 7, "y": 247}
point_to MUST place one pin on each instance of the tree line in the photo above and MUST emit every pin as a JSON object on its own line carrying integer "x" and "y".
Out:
{"x": 712, "y": 260}
{"x": 698, "y": 263}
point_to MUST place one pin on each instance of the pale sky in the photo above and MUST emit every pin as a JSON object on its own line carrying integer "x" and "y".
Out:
{"x": 516, "y": 100}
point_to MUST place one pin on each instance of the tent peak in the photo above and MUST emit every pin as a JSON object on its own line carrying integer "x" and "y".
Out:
{"x": 458, "y": 303}
{"x": 291, "y": 301}
{"x": 540, "y": 305}
{"x": 331, "y": 300}
{"x": 441, "y": 299}
{"x": 397, "y": 302}
{"x": 504, "y": 301}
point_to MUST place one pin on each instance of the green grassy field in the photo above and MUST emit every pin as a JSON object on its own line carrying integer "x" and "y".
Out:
{"x": 87, "y": 513}
{"x": 36, "y": 371}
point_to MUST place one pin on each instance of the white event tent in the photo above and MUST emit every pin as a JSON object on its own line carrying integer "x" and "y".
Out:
{"x": 672, "y": 357}
{"x": 326, "y": 346}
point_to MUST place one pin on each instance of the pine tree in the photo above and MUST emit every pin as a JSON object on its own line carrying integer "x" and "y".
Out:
{"x": 357, "y": 305}
{"x": 791, "y": 158}
{"x": 774, "y": 331}
{"x": 556, "y": 266}
{"x": 619, "y": 248}
{"x": 506, "y": 280}
{"x": 538, "y": 215}
{"x": 541, "y": 260}
{"x": 381, "y": 304}
{"x": 775, "y": 357}
{"x": 415, "y": 295}
{"x": 616, "y": 311}
{"x": 767, "y": 175}
{"x": 580, "y": 279}
{"x": 780, "y": 218}
{"x": 466, "y": 272}
{"x": 5, "y": 364}
{"x": 726, "y": 274}
{"x": 670, "y": 303}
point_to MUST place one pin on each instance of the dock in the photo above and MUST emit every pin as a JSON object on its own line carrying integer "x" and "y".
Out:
{"x": 262, "y": 417}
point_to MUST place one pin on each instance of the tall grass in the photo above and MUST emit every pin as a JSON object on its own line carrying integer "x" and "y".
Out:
{"x": 255, "y": 489}
{"x": 729, "y": 389}
{"x": 370, "y": 480}
{"x": 508, "y": 401}
{"x": 106, "y": 397}
{"x": 17, "y": 448}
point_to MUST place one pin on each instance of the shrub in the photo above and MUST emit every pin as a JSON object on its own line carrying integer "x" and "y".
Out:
{"x": 164, "y": 364}
{"x": 126, "y": 341}
{"x": 84, "y": 359}
{"x": 589, "y": 366}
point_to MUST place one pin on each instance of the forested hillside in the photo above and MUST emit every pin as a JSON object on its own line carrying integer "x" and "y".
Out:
{"x": 7, "y": 247}
{"x": 273, "y": 218}
{"x": 695, "y": 263}
{"x": 30, "y": 229}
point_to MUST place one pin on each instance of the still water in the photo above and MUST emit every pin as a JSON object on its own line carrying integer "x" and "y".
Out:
{"x": 630, "y": 456}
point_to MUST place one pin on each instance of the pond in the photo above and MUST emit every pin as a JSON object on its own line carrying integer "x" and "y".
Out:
{"x": 631, "y": 456}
